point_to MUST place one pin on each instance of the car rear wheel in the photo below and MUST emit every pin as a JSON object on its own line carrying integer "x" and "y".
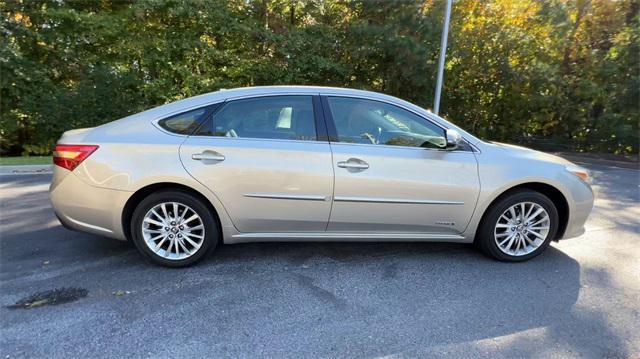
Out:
{"x": 518, "y": 226}
{"x": 174, "y": 228}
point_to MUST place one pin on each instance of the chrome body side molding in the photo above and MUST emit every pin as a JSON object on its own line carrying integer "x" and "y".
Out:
{"x": 393, "y": 200}
{"x": 299, "y": 197}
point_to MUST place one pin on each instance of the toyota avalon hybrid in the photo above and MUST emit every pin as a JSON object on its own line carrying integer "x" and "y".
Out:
{"x": 290, "y": 163}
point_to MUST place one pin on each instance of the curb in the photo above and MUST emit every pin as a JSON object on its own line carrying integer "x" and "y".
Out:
{"x": 599, "y": 161}
{"x": 26, "y": 169}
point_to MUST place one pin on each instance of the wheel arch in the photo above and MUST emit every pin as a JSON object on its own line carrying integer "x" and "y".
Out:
{"x": 145, "y": 191}
{"x": 553, "y": 193}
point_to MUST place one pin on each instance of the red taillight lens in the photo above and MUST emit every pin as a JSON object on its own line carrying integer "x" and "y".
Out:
{"x": 70, "y": 156}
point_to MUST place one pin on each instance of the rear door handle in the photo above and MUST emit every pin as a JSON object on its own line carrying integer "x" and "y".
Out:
{"x": 353, "y": 163}
{"x": 208, "y": 156}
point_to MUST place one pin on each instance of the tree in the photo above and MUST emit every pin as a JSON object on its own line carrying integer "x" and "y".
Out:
{"x": 563, "y": 71}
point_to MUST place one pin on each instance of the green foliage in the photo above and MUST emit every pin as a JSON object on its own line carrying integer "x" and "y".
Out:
{"x": 24, "y": 160}
{"x": 565, "y": 72}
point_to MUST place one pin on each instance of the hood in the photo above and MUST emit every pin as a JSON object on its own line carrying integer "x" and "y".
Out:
{"x": 519, "y": 151}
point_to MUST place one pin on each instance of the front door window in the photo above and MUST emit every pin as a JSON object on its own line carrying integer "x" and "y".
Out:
{"x": 379, "y": 123}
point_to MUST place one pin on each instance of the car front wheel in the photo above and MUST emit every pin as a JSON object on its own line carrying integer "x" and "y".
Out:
{"x": 518, "y": 226}
{"x": 174, "y": 228}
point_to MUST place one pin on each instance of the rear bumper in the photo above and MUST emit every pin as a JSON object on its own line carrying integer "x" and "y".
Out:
{"x": 86, "y": 208}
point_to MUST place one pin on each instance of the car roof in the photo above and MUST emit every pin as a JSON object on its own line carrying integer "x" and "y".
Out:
{"x": 226, "y": 94}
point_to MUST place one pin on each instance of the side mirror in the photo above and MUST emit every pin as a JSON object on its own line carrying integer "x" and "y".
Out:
{"x": 453, "y": 139}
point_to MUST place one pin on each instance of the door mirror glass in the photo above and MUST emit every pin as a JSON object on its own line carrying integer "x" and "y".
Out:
{"x": 453, "y": 139}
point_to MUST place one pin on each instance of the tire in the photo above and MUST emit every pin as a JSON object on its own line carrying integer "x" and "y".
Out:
{"x": 498, "y": 227}
{"x": 187, "y": 239}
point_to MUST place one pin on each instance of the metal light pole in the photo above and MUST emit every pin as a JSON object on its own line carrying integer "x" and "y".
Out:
{"x": 443, "y": 53}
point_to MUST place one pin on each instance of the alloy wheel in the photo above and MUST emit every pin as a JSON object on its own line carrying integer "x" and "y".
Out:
{"x": 522, "y": 228}
{"x": 173, "y": 230}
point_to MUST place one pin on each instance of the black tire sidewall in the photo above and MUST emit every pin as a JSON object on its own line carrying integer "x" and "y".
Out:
{"x": 212, "y": 232}
{"x": 486, "y": 240}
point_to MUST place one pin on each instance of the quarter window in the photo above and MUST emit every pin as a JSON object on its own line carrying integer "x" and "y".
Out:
{"x": 273, "y": 117}
{"x": 184, "y": 123}
{"x": 379, "y": 123}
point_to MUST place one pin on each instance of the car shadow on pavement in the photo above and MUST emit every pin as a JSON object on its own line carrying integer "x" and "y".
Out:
{"x": 448, "y": 292}
{"x": 413, "y": 298}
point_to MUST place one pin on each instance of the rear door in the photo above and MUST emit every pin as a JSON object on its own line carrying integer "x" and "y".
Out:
{"x": 263, "y": 158}
{"x": 391, "y": 174}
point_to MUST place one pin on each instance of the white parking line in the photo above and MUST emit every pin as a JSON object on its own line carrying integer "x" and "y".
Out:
{"x": 25, "y": 170}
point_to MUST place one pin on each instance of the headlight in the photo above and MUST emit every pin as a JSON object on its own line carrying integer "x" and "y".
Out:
{"x": 583, "y": 173}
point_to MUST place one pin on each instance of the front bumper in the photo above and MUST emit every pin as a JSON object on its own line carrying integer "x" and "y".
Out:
{"x": 583, "y": 199}
{"x": 87, "y": 208}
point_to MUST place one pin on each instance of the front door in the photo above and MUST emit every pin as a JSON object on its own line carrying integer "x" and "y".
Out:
{"x": 261, "y": 158}
{"x": 391, "y": 174}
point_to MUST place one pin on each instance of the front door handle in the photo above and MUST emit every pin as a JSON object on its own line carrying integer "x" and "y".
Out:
{"x": 208, "y": 156}
{"x": 353, "y": 163}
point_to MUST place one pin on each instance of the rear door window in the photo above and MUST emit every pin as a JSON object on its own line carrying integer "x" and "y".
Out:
{"x": 272, "y": 117}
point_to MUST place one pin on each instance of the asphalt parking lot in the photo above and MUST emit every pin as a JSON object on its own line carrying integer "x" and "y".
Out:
{"x": 579, "y": 299}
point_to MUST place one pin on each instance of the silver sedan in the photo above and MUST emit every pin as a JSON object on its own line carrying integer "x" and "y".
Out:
{"x": 290, "y": 163}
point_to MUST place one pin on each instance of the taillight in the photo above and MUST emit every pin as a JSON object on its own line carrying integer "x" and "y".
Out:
{"x": 70, "y": 156}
